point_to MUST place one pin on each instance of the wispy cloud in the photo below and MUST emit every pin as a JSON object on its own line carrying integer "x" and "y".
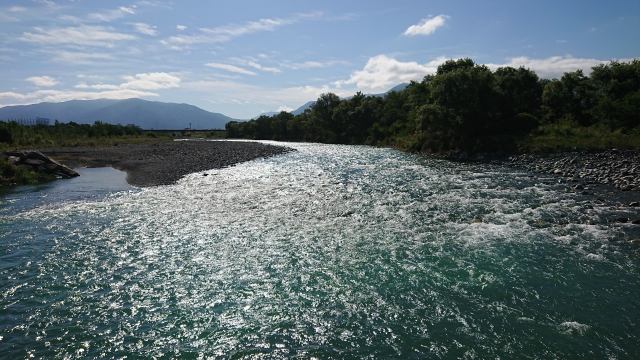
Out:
{"x": 42, "y": 81}
{"x": 226, "y": 33}
{"x": 145, "y": 29}
{"x": 113, "y": 14}
{"x": 84, "y": 35}
{"x": 254, "y": 64}
{"x": 426, "y": 26}
{"x": 17, "y": 8}
{"x": 79, "y": 57}
{"x": 181, "y": 27}
{"x": 230, "y": 68}
{"x": 313, "y": 64}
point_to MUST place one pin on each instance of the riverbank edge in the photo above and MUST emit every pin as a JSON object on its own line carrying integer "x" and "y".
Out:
{"x": 161, "y": 163}
{"x": 613, "y": 167}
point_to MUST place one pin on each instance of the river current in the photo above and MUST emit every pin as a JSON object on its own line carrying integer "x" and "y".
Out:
{"x": 326, "y": 252}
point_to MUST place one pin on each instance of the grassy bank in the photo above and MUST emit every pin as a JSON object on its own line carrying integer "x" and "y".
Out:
{"x": 15, "y": 136}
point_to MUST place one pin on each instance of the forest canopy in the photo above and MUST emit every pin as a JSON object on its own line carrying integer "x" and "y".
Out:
{"x": 469, "y": 108}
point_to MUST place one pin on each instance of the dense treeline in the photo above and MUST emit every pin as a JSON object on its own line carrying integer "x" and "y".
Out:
{"x": 467, "y": 107}
{"x": 13, "y": 134}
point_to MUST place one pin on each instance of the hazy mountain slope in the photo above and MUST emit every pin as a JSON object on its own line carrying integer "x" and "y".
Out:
{"x": 143, "y": 113}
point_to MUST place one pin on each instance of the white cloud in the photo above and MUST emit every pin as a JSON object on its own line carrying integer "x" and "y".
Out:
{"x": 285, "y": 108}
{"x": 553, "y": 66}
{"x": 257, "y": 66}
{"x": 42, "y": 81}
{"x": 382, "y": 72}
{"x": 145, "y": 29}
{"x": 226, "y": 33}
{"x": 426, "y": 26}
{"x": 150, "y": 81}
{"x": 78, "y": 57}
{"x": 230, "y": 68}
{"x": 17, "y": 9}
{"x": 312, "y": 64}
{"x": 76, "y": 35}
{"x": 181, "y": 27}
{"x": 84, "y": 85}
{"x": 110, "y": 15}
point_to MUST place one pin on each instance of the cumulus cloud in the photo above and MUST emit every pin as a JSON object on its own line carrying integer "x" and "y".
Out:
{"x": 553, "y": 66}
{"x": 145, "y": 29}
{"x": 83, "y": 35}
{"x": 226, "y": 33}
{"x": 230, "y": 68}
{"x": 42, "y": 81}
{"x": 181, "y": 27}
{"x": 382, "y": 72}
{"x": 110, "y": 15}
{"x": 426, "y": 26}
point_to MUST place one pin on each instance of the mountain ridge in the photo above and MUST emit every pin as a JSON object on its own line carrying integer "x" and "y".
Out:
{"x": 143, "y": 113}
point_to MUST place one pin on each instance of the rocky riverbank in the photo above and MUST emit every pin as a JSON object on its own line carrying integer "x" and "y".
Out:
{"x": 165, "y": 162}
{"x": 618, "y": 168}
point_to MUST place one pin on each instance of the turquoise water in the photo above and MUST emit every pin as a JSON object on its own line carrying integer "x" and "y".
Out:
{"x": 327, "y": 252}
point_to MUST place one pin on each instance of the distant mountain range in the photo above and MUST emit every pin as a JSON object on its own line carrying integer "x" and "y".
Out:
{"x": 143, "y": 113}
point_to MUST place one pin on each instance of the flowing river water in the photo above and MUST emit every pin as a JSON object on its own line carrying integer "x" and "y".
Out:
{"x": 327, "y": 252}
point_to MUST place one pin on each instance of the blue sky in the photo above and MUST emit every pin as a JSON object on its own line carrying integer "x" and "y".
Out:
{"x": 242, "y": 57}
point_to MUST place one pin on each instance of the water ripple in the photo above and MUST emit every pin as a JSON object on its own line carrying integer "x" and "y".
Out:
{"x": 327, "y": 252}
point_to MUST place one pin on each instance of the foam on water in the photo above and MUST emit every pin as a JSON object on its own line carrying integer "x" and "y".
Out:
{"x": 330, "y": 251}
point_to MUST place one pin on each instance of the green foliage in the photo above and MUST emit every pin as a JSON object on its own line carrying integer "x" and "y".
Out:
{"x": 467, "y": 107}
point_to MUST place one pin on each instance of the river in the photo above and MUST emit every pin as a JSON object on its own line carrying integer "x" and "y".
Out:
{"x": 327, "y": 252}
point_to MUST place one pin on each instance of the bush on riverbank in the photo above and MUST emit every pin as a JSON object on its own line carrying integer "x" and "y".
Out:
{"x": 470, "y": 108}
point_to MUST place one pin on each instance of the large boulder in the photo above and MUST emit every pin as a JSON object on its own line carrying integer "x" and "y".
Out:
{"x": 41, "y": 163}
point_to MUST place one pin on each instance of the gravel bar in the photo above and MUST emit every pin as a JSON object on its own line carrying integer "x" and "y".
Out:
{"x": 618, "y": 168}
{"x": 166, "y": 162}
